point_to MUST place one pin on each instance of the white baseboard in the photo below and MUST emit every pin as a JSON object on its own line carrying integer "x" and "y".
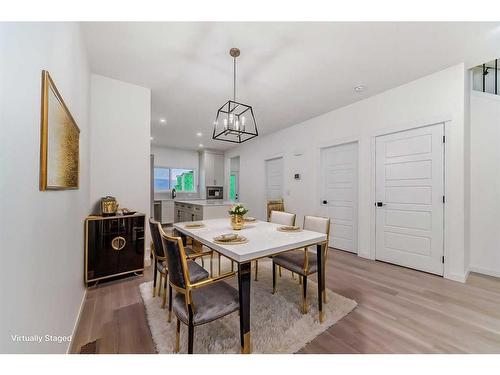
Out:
{"x": 485, "y": 271}
{"x": 462, "y": 278}
{"x": 68, "y": 349}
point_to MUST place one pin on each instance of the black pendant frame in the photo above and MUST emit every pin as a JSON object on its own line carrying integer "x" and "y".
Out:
{"x": 236, "y": 134}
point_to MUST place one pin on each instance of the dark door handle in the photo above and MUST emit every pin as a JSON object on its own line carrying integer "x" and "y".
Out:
{"x": 380, "y": 204}
{"x": 325, "y": 201}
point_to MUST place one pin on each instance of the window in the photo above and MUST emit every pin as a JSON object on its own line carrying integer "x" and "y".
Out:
{"x": 182, "y": 180}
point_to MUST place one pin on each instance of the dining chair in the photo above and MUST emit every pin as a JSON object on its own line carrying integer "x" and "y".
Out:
{"x": 303, "y": 262}
{"x": 277, "y": 217}
{"x": 160, "y": 258}
{"x": 274, "y": 205}
{"x": 196, "y": 303}
{"x": 195, "y": 247}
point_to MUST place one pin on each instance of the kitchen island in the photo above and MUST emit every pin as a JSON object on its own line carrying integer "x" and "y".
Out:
{"x": 202, "y": 209}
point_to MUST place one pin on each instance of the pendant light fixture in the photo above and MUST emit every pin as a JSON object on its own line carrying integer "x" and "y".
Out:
{"x": 235, "y": 122}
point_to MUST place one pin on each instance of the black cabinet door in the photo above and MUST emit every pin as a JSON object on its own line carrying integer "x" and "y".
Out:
{"x": 132, "y": 253}
{"x": 102, "y": 257}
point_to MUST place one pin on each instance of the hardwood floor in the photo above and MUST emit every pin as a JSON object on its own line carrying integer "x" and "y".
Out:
{"x": 400, "y": 311}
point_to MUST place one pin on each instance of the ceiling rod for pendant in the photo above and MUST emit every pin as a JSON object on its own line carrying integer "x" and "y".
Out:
{"x": 234, "y": 78}
{"x": 234, "y": 53}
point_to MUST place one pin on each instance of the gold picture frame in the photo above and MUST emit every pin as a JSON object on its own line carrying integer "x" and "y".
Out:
{"x": 59, "y": 141}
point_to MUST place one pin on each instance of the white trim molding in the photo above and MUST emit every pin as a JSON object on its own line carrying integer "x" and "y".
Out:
{"x": 77, "y": 322}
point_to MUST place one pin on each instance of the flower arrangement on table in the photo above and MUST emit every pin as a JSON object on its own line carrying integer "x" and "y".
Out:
{"x": 237, "y": 212}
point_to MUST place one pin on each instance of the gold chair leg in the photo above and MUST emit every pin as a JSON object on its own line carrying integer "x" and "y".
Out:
{"x": 256, "y": 269}
{"x": 279, "y": 268}
{"x": 159, "y": 285}
{"x": 218, "y": 254}
{"x": 177, "y": 336}
{"x": 324, "y": 296}
{"x": 293, "y": 275}
{"x": 164, "y": 294}
{"x": 274, "y": 278}
{"x": 300, "y": 280}
{"x": 232, "y": 266}
{"x": 211, "y": 264}
{"x": 154, "y": 287}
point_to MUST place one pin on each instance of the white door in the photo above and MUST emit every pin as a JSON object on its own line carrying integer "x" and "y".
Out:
{"x": 339, "y": 194}
{"x": 274, "y": 178}
{"x": 409, "y": 198}
{"x": 234, "y": 186}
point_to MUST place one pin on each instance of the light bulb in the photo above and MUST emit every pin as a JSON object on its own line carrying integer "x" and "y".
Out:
{"x": 231, "y": 118}
{"x": 237, "y": 125}
{"x": 225, "y": 123}
{"x": 243, "y": 119}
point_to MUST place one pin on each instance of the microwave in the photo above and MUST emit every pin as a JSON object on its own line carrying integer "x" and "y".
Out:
{"x": 215, "y": 192}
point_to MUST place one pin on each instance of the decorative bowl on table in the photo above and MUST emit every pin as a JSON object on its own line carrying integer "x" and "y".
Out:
{"x": 194, "y": 225}
{"x": 289, "y": 228}
{"x": 230, "y": 239}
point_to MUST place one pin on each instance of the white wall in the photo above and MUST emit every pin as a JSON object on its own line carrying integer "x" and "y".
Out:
{"x": 177, "y": 158}
{"x": 120, "y": 115}
{"x": 41, "y": 233}
{"x": 435, "y": 98}
{"x": 485, "y": 184}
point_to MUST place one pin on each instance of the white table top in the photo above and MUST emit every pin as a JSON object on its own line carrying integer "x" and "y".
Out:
{"x": 263, "y": 238}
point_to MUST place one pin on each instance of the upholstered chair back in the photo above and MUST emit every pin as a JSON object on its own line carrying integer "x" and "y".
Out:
{"x": 176, "y": 259}
{"x": 283, "y": 218}
{"x": 154, "y": 228}
{"x": 317, "y": 224}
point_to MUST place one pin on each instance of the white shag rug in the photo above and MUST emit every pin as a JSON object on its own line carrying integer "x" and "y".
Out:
{"x": 277, "y": 324}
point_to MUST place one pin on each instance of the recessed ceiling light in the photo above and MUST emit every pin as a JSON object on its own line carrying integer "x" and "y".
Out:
{"x": 359, "y": 88}
{"x": 199, "y": 134}
{"x": 200, "y": 145}
{"x": 163, "y": 120}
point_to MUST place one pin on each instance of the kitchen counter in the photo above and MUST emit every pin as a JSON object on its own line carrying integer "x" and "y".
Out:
{"x": 202, "y": 209}
{"x": 206, "y": 202}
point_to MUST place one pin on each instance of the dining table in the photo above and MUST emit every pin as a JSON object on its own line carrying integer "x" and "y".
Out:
{"x": 263, "y": 239}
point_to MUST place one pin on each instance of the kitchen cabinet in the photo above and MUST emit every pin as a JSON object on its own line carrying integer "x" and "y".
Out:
{"x": 200, "y": 210}
{"x": 167, "y": 212}
{"x": 212, "y": 169}
{"x": 164, "y": 211}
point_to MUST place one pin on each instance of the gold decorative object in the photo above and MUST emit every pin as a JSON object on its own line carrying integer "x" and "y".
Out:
{"x": 109, "y": 206}
{"x": 237, "y": 212}
{"x": 237, "y": 222}
{"x": 59, "y": 141}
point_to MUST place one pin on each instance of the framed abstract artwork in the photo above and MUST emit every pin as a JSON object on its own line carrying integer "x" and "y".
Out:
{"x": 59, "y": 141}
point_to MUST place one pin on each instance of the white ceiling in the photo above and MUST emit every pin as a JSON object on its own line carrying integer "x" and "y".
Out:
{"x": 288, "y": 72}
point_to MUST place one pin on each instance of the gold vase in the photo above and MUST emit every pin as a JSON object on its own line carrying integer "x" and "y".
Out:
{"x": 237, "y": 222}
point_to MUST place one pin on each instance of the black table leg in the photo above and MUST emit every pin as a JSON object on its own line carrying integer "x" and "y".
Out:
{"x": 244, "y": 277}
{"x": 321, "y": 278}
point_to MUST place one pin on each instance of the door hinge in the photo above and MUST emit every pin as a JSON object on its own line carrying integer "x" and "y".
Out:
{"x": 444, "y": 199}
{"x": 442, "y": 259}
{"x": 444, "y": 139}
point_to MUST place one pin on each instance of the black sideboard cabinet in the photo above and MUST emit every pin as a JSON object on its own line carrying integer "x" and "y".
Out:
{"x": 114, "y": 246}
